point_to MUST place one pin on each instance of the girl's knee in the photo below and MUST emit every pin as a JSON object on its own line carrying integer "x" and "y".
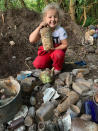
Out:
{"x": 41, "y": 62}
{"x": 59, "y": 54}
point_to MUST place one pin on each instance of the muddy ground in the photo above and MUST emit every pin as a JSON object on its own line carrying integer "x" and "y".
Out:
{"x": 16, "y": 25}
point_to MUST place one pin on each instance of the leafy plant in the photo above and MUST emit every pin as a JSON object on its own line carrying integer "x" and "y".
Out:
{"x": 84, "y": 10}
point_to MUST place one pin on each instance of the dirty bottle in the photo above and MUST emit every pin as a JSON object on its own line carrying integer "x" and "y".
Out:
{"x": 45, "y": 112}
{"x": 46, "y": 38}
{"x": 72, "y": 98}
{"x": 16, "y": 123}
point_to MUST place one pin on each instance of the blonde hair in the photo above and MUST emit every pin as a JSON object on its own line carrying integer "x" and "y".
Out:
{"x": 53, "y": 6}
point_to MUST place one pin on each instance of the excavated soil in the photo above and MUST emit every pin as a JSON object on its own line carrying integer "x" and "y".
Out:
{"x": 16, "y": 25}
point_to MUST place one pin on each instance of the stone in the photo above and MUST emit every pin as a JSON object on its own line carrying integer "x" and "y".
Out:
{"x": 91, "y": 50}
{"x": 12, "y": 43}
{"x": 92, "y": 58}
{"x": 32, "y": 100}
{"x": 92, "y": 66}
{"x": 13, "y": 57}
{"x": 70, "y": 52}
{"x": 26, "y": 72}
{"x": 28, "y": 58}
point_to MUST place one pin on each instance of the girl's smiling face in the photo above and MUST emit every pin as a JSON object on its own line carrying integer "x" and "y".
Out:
{"x": 51, "y": 18}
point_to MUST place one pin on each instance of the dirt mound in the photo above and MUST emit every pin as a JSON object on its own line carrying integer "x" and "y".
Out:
{"x": 16, "y": 25}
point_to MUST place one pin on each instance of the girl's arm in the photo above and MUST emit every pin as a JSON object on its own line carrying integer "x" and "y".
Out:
{"x": 35, "y": 35}
{"x": 63, "y": 45}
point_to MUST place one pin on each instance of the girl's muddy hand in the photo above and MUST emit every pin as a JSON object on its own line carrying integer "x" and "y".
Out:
{"x": 42, "y": 24}
{"x": 52, "y": 49}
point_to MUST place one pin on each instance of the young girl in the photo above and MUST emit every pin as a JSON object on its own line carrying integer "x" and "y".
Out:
{"x": 55, "y": 56}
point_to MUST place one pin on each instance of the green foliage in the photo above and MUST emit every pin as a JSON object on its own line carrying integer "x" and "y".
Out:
{"x": 2, "y": 8}
{"x": 30, "y": 4}
{"x": 16, "y": 4}
{"x": 89, "y": 21}
{"x": 89, "y": 6}
{"x": 12, "y": 4}
{"x": 38, "y": 5}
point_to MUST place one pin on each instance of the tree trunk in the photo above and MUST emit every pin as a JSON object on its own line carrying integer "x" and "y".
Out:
{"x": 72, "y": 10}
{"x": 85, "y": 17}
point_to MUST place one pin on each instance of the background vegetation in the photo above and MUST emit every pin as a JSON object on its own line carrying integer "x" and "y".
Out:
{"x": 84, "y": 12}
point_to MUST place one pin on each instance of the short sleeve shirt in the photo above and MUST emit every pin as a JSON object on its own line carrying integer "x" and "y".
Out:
{"x": 59, "y": 34}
